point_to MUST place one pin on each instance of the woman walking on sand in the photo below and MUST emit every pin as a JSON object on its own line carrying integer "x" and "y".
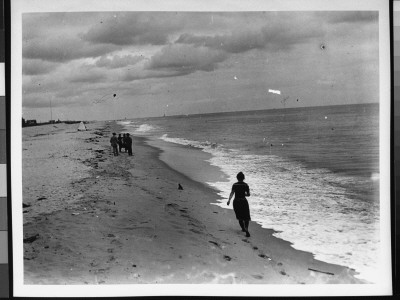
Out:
{"x": 240, "y": 205}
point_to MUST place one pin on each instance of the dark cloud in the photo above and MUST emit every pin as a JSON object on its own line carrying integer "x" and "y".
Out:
{"x": 134, "y": 29}
{"x": 36, "y": 101}
{"x": 37, "y": 67}
{"x": 62, "y": 49}
{"x": 352, "y": 17}
{"x": 87, "y": 75}
{"x": 273, "y": 38}
{"x": 151, "y": 74}
{"x": 186, "y": 59}
{"x": 87, "y": 78}
{"x": 43, "y": 101}
{"x": 118, "y": 61}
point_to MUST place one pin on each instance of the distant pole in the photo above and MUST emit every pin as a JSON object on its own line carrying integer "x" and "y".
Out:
{"x": 51, "y": 111}
{"x": 114, "y": 109}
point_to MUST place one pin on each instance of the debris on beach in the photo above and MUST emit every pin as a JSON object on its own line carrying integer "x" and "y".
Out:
{"x": 227, "y": 258}
{"x": 25, "y": 205}
{"x": 180, "y": 187}
{"x": 329, "y": 273}
{"x": 41, "y": 198}
{"x": 31, "y": 239}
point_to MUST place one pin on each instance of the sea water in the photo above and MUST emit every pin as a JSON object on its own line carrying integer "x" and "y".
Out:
{"x": 313, "y": 172}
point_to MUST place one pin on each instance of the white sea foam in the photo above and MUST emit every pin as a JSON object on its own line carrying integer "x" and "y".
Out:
{"x": 124, "y": 123}
{"x": 375, "y": 176}
{"x": 201, "y": 145}
{"x": 307, "y": 207}
{"x": 145, "y": 128}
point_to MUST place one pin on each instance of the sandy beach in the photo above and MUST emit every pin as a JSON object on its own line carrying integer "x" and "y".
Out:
{"x": 94, "y": 218}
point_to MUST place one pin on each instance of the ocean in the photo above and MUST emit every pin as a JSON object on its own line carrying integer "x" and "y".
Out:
{"x": 313, "y": 172}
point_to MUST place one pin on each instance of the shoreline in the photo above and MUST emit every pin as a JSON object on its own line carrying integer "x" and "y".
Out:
{"x": 133, "y": 225}
{"x": 190, "y": 162}
{"x": 295, "y": 234}
{"x": 253, "y": 224}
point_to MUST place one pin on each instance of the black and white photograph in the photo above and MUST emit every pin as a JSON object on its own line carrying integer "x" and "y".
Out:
{"x": 196, "y": 148}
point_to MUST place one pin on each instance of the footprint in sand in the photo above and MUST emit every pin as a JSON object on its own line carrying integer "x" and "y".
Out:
{"x": 282, "y": 271}
{"x": 100, "y": 271}
{"x": 227, "y": 258}
{"x": 116, "y": 242}
{"x": 171, "y": 207}
{"x": 215, "y": 243}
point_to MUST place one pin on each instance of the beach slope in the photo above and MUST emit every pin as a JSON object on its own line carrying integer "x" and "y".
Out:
{"x": 94, "y": 218}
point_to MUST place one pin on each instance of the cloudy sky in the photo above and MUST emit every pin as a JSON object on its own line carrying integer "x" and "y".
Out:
{"x": 106, "y": 65}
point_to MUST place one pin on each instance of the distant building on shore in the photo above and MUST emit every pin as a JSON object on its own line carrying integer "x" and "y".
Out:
{"x": 30, "y": 123}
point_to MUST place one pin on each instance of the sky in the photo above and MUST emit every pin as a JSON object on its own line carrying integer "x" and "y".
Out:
{"x": 116, "y": 65}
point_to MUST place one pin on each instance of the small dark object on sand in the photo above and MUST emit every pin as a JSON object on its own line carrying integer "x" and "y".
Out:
{"x": 41, "y": 198}
{"x": 31, "y": 239}
{"x": 180, "y": 187}
{"x": 329, "y": 273}
{"x": 25, "y": 205}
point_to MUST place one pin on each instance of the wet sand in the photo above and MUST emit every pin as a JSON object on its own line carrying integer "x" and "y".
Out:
{"x": 94, "y": 218}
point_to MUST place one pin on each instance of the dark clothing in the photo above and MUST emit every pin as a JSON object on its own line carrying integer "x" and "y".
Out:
{"x": 241, "y": 189}
{"x": 241, "y": 208}
{"x": 114, "y": 141}
{"x": 120, "y": 144}
{"x": 124, "y": 143}
{"x": 128, "y": 144}
{"x": 114, "y": 144}
{"x": 240, "y": 204}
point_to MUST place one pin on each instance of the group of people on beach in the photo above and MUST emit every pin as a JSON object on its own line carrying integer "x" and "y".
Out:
{"x": 123, "y": 141}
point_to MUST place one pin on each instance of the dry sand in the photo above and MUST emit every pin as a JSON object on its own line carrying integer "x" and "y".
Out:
{"x": 93, "y": 218}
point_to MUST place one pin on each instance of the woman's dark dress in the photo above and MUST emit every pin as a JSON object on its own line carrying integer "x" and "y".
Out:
{"x": 240, "y": 204}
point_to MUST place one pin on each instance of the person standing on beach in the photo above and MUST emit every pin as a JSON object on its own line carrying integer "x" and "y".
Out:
{"x": 124, "y": 142}
{"x": 128, "y": 144}
{"x": 114, "y": 144}
{"x": 240, "y": 205}
{"x": 120, "y": 142}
